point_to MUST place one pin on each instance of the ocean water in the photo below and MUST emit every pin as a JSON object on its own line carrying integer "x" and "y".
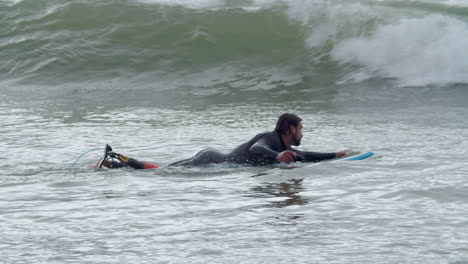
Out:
{"x": 160, "y": 80}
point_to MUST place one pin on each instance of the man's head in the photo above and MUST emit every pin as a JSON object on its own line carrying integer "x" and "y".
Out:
{"x": 290, "y": 125}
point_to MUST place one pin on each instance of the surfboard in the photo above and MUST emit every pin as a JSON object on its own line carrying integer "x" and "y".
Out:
{"x": 361, "y": 156}
{"x": 358, "y": 157}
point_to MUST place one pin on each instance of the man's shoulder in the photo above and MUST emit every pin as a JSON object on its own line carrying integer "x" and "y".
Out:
{"x": 268, "y": 136}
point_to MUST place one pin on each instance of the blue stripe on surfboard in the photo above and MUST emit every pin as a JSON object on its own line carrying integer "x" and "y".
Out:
{"x": 360, "y": 156}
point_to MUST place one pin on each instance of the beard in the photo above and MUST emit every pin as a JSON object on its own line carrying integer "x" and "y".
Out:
{"x": 296, "y": 141}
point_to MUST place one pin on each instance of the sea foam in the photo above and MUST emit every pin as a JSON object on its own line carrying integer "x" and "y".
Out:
{"x": 415, "y": 51}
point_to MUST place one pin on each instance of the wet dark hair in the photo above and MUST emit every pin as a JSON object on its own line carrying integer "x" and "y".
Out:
{"x": 285, "y": 121}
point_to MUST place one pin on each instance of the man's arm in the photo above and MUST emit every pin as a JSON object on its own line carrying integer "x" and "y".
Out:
{"x": 317, "y": 156}
{"x": 263, "y": 148}
{"x": 286, "y": 156}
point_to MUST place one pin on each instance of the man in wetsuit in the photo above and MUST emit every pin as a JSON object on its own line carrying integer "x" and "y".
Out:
{"x": 265, "y": 148}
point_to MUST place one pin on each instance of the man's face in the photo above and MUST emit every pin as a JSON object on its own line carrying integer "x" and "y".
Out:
{"x": 297, "y": 134}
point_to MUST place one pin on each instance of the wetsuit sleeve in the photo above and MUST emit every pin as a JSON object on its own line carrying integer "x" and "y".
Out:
{"x": 315, "y": 156}
{"x": 263, "y": 148}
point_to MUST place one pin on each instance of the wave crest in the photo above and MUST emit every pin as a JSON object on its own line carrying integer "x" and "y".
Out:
{"x": 415, "y": 51}
{"x": 315, "y": 40}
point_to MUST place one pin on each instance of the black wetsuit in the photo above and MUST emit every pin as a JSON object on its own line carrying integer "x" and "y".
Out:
{"x": 260, "y": 150}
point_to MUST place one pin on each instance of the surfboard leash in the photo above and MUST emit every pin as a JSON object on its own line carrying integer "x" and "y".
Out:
{"x": 74, "y": 163}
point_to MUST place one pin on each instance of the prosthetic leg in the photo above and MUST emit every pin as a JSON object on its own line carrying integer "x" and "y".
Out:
{"x": 114, "y": 160}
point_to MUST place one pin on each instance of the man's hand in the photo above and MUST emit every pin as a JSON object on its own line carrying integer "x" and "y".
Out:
{"x": 286, "y": 156}
{"x": 341, "y": 153}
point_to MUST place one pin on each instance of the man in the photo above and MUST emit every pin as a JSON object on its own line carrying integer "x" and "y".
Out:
{"x": 263, "y": 149}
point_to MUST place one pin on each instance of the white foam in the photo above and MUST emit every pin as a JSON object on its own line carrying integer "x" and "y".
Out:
{"x": 415, "y": 51}
{"x": 459, "y": 3}
{"x": 254, "y": 6}
{"x": 196, "y": 4}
